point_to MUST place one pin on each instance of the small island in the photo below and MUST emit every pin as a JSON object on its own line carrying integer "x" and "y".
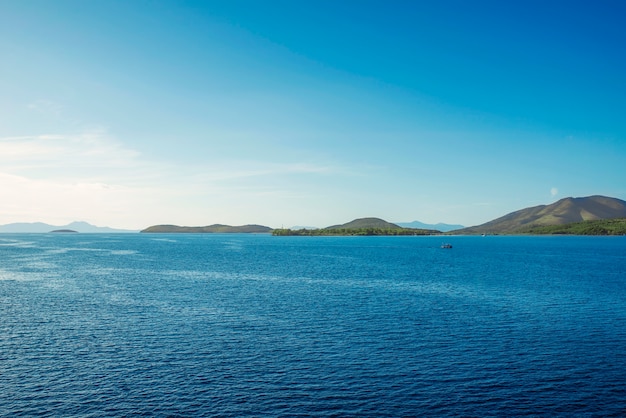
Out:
{"x": 361, "y": 227}
{"x": 64, "y": 231}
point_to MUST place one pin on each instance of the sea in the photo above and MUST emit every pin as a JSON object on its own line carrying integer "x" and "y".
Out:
{"x": 237, "y": 325}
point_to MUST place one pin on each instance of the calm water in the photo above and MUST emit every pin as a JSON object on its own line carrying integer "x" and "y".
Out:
{"x": 237, "y": 325}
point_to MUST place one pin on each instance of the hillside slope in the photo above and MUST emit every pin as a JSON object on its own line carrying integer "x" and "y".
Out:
{"x": 562, "y": 212}
{"x": 615, "y": 226}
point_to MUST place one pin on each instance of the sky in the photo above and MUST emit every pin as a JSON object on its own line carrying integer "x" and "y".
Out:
{"x": 311, "y": 113}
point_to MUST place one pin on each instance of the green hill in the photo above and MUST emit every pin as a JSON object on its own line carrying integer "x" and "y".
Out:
{"x": 565, "y": 211}
{"x": 361, "y": 226}
{"x": 216, "y": 228}
{"x": 365, "y": 223}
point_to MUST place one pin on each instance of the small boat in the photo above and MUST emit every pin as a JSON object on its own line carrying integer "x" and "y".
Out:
{"x": 446, "y": 245}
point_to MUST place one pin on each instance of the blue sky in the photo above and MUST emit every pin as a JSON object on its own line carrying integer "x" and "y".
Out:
{"x": 282, "y": 113}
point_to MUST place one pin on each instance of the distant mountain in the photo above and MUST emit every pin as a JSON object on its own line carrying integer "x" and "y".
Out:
{"x": 303, "y": 227}
{"x": 565, "y": 211}
{"x": 216, "y": 228}
{"x": 439, "y": 227}
{"x": 40, "y": 227}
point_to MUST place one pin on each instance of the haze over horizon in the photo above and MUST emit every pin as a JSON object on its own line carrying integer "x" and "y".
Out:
{"x": 130, "y": 114}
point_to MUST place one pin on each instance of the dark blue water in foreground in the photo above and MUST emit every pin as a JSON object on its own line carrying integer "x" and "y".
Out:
{"x": 236, "y": 325}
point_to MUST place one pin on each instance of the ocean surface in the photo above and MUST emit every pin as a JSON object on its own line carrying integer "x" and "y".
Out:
{"x": 254, "y": 325}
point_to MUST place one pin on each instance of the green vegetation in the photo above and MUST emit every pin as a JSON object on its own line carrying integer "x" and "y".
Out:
{"x": 600, "y": 227}
{"x": 353, "y": 231}
{"x": 362, "y": 226}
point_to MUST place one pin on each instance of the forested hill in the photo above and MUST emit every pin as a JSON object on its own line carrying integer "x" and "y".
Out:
{"x": 361, "y": 226}
{"x": 365, "y": 223}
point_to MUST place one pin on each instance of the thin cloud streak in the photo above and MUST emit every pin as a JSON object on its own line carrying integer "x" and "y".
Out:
{"x": 88, "y": 149}
{"x": 92, "y": 176}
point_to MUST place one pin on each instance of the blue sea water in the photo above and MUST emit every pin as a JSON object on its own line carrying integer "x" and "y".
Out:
{"x": 255, "y": 325}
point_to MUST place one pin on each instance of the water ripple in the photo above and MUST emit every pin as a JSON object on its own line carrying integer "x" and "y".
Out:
{"x": 264, "y": 326}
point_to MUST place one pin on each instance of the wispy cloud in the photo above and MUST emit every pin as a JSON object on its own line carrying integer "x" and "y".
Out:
{"x": 47, "y": 108}
{"x": 246, "y": 169}
{"x": 91, "y": 176}
{"x": 100, "y": 153}
{"x": 29, "y": 199}
{"x": 95, "y": 150}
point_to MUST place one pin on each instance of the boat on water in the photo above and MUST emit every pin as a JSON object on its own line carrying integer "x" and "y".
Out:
{"x": 446, "y": 245}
